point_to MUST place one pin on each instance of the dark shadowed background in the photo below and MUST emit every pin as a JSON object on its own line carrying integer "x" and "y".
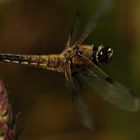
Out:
{"x": 42, "y": 27}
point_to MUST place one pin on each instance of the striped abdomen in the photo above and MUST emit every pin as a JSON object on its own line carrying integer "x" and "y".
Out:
{"x": 50, "y": 62}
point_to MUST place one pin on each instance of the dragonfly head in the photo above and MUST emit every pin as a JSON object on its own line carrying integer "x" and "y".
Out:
{"x": 102, "y": 54}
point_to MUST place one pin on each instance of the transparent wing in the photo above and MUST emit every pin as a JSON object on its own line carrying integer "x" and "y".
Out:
{"x": 80, "y": 106}
{"x": 83, "y": 111}
{"x": 74, "y": 32}
{"x": 108, "y": 89}
{"x": 104, "y": 7}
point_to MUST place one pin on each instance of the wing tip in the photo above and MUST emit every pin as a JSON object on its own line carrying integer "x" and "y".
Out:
{"x": 136, "y": 106}
{"x": 136, "y": 103}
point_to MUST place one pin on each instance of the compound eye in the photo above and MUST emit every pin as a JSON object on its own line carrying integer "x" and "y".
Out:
{"x": 104, "y": 55}
{"x": 101, "y": 54}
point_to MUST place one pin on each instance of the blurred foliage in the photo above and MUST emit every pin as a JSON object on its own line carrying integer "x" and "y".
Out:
{"x": 42, "y": 27}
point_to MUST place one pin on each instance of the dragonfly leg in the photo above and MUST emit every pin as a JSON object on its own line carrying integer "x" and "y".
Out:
{"x": 68, "y": 73}
{"x": 68, "y": 42}
{"x": 69, "y": 79}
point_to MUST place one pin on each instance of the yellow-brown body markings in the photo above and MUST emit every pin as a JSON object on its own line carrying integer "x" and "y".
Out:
{"x": 54, "y": 62}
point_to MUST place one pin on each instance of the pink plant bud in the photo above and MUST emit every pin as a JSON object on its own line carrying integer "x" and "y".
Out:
{"x": 7, "y": 118}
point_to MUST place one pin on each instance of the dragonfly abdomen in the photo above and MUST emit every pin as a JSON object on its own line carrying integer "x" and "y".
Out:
{"x": 11, "y": 58}
{"x": 50, "y": 62}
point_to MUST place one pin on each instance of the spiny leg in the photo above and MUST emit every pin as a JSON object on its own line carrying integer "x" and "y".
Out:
{"x": 68, "y": 42}
{"x": 69, "y": 79}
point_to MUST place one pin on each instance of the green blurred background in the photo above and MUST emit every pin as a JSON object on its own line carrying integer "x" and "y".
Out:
{"x": 42, "y": 27}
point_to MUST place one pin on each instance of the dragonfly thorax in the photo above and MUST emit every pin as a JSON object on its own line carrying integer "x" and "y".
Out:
{"x": 102, "y": 54}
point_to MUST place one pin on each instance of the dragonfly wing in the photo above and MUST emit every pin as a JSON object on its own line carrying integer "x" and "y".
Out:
{"x": 83, "y": 111}
{"x": 74, "y": 32}
{"x": 81, "y": 107}
{"x": 110, "y": 90}
{"x": 104, "y": 7}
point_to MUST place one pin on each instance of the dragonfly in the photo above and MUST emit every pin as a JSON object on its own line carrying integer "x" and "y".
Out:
{"x": 80, "y": 63}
